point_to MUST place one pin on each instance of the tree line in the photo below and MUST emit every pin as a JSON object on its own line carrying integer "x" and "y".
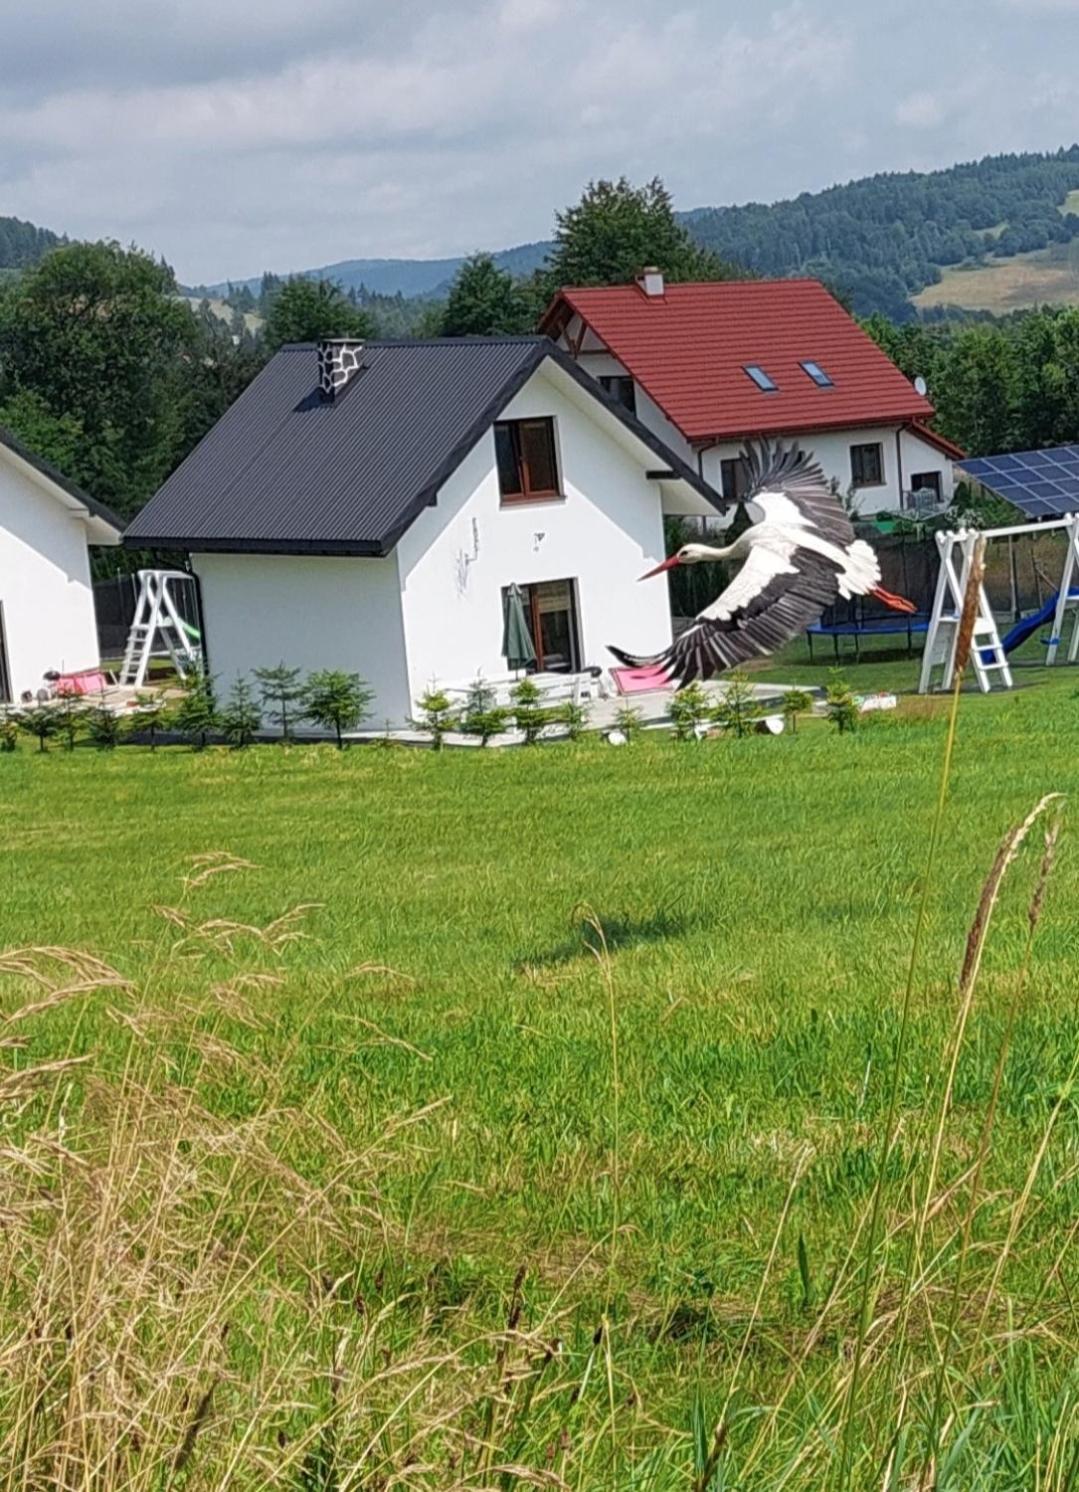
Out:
{"x": 110, "y": 373}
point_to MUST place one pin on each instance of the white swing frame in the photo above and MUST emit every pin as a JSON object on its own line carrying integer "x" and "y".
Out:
{"x": 158, "y": 630}
{"x": 942, "y": 635}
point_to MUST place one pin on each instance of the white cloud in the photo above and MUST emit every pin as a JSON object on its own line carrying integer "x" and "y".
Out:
{"x": 920, "y": 110}
{"x": 263, "y": 133}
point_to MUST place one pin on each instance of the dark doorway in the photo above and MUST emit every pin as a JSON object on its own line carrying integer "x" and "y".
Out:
{"x": 551, "y": 609}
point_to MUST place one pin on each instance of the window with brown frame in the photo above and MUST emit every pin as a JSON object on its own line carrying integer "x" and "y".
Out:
{"x": 527, "y": 463}
{"x": 867, "y": 465}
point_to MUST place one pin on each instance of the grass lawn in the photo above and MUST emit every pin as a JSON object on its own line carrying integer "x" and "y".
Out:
{"x": 282, "y": 1207}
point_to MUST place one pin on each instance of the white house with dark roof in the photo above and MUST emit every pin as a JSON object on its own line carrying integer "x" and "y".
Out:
{"x": 709, "y": 366}
{"x": 47, "y": 525}
{"x": 367, "y": 506}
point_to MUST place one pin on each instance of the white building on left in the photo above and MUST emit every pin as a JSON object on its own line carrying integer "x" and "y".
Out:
{"x": 47, "y": 526}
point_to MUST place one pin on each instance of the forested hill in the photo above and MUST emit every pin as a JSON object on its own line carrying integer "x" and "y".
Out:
{"x": 878, "y": 240}
{"x": 22, "y": 244}
{"x": 883, "y": 238}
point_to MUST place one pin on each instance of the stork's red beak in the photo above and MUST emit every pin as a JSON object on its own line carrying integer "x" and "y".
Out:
{"x": 668, "y": 564}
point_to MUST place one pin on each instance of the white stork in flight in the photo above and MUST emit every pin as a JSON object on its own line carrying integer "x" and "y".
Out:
{"x": 798, "y": 559}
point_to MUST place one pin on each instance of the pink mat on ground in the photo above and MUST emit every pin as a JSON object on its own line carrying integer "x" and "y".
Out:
{"x": 639, "y": 680}
{"x": 88, "y": 681}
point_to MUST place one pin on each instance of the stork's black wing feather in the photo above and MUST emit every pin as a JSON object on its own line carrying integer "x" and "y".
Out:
{"x": 782, "y": 609}
{"x": 791, "y": 472}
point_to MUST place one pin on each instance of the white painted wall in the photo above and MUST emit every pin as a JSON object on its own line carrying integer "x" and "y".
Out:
{"x": 311, "y": 612}
{"x": 44, "y": 581}
{"x": 832, "y": 449}
{"x": 605, "y": 532}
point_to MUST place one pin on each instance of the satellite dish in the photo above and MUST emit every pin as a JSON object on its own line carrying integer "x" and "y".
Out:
{"x": 920, "y": 386}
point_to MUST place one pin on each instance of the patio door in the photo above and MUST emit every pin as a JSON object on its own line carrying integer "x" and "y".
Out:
{"x": 5, "y": 670}
{"x": 551, "y": 608}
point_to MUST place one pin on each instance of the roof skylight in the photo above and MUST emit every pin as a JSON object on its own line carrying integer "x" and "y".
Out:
{"x": 818, "y": 375}
{"x": 763, "y": 381}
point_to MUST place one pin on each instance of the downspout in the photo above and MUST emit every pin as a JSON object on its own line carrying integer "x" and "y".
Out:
{"x": 899, "y": 461}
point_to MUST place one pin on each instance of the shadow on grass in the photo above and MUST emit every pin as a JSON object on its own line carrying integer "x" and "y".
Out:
{"x": 619, "y": 930}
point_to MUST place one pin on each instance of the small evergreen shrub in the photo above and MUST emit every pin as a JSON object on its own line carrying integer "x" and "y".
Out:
{"x": 528, "y": 712}
{"x": 241, "y": 716}
{"x": 738, "y": 709}
{"x": 154, "y": 714}
{"x": 197, "y": 715}
{"x": 482, "y": 717}
{"x": 690, "y": 708}
{"x": 839, "y": 701}
{"x": 40, "y": 722}
{"x": 9, "y": 733}
{"x": 336, "y": 701}
{"x": 436, "y": 716}
{"x": 795, "y": 702}
{"x": 69, "y": 710}
{"x": 104, "y": 726}
{"x": 574, "y": 717}
{"x": 281, "y": 693}
{"x": 629, "y": 720}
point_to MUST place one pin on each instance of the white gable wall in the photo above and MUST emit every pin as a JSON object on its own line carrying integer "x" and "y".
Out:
{"x": 311, "y": 612}
{"x": 605, "y": 532}
{"x": 45, "y": 587}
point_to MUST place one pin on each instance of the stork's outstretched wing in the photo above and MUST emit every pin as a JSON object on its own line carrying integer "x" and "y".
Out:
{"x": 773, "y": 598}
{"x": 789, "y": 487}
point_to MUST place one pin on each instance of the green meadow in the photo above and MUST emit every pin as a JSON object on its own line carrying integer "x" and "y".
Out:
{"x": 388, "y": 1118}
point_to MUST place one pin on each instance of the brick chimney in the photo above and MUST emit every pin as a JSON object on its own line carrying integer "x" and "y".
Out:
{"x": 650, "y": 281}
{"x": 339, "y": 360}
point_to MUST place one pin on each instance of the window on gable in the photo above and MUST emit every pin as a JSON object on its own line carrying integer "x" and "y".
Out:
{"x": 763, "y": 380}
{"x": 620, "y": 388}
{"x": 867, "y": 465}
{"x": 527, "y": 463}
{"x": 818, "y": 375}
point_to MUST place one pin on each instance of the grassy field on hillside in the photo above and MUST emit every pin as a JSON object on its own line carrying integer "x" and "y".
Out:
{"x": 1042, "y": 277}
{"x": 512, "y": 1118}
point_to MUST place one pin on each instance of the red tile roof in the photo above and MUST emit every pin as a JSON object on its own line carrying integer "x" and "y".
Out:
{"x": 689, "y": 348}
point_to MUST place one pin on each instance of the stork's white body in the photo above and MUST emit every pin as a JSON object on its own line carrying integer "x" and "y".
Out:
{"x": 797, "y": 560}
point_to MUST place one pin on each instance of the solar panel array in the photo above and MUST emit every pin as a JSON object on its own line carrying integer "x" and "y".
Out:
{"x": 1043, "y": 484}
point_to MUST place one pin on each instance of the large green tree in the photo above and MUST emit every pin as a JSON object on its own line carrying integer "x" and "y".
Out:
{"x": 617, "y": 229}
{"x": 484, "y": 300}
{"x": 99, "y": 360}
{"x": 304, "y": 310}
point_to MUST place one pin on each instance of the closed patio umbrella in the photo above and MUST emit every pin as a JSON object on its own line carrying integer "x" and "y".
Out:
{"x": 518, "y": 648}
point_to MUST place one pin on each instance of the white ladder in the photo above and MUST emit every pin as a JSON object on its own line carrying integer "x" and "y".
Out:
{"x": 158, "y": 629}
{"x": 987, "y": 655}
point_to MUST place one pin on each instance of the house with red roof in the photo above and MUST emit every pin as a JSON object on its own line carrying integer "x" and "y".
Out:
{"x": 708, "y": 366}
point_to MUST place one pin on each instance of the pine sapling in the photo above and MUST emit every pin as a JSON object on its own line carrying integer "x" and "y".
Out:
{"x": 528, "y": 710}
{"x": 336, "y": 701}
{"x": 795, "y": 702}
{"x": 241, "y": 717}
{"x": 9, "y": 733}
{"x": 281, "y": 693}
{"x": 629, "y": 720}
{"x": 839, "y": 701}
{"x": 690, "y": 708}
{"x": 482, "y": 716}
{"x": 197, "y": 714}
{"x": 104, "y": 726}
{"x": 737, "y": 708}
{"x": 40, "y": 722}
{"x": 153, "y": 714}
{"x": 436, "y": 716}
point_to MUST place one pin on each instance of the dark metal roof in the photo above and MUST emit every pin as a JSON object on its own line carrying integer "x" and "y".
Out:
{"x": 284, "y": 471}
{"x": 54, "y": 475}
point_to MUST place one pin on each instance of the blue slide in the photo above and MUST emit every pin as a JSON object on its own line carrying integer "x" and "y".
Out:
{"x": 1029, "y": 624}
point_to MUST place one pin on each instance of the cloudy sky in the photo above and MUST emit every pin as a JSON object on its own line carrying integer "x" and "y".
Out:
{"x": 235, "y": 135}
